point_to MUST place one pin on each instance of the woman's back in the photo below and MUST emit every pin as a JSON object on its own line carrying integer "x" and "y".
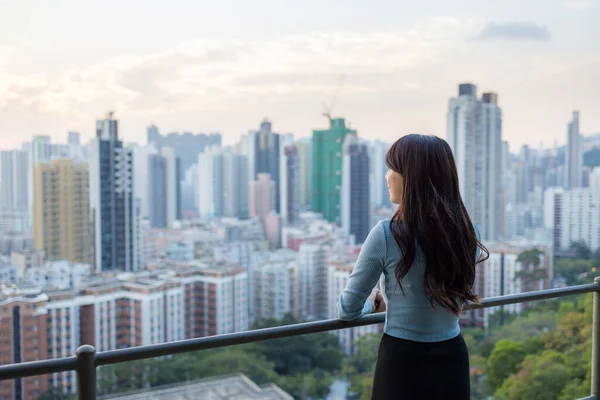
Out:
{"x": 410, "y": 314}
{"x": 427, "y": 253}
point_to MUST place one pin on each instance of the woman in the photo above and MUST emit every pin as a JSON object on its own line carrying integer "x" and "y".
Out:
{"x": 428, "y": 250}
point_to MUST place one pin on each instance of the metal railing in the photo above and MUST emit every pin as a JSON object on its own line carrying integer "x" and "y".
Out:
{"x": 86, "y": 361}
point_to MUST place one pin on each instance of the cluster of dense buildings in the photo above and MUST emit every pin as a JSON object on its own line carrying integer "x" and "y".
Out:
{"x": 119, "y": 245}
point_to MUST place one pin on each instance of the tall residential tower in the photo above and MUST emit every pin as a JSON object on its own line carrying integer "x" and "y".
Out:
{"x": 474, "y": 132}
{"x": 114, "y": 211}
{"x": 574, "y": 155}
{"x": 61, "y": 210}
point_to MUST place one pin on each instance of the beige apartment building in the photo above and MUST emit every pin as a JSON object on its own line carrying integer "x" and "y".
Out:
{"x": 61, "y": 210}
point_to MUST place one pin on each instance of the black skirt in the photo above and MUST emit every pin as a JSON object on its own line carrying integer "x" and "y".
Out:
{"x": 408, "y": 370}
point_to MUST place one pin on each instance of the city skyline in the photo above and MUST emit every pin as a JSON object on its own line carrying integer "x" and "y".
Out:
{"x": 225, "y": 74}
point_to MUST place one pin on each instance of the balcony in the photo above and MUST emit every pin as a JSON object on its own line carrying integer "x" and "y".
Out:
{"x": 86, "y": 361}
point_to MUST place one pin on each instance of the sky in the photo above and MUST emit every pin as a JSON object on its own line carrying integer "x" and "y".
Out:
{"x": 208, "y": 66}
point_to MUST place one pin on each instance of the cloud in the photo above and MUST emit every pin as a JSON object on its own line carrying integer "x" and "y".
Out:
{"x": 514, "y": 31}
{"x": 212, "y": 74}
{"x": 580, "y": 4}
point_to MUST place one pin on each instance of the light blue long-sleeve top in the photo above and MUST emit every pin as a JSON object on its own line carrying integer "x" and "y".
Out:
{"x": 409, "y": 316}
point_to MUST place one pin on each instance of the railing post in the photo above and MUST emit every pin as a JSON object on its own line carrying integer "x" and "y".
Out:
{"x": 86, "y": 373}
{"x": 596, "y": 343}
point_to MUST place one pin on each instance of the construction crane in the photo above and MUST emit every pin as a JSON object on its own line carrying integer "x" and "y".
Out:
{"x": 327, "y": 110}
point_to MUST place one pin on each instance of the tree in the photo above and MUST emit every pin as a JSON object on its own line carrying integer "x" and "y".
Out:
{"x": 531, "y": 273}
{"x": 540, "y": 378}
{"x": 582, "y": 250}
{"x": 308, "y": 385}
{"x": 504, "y": 361}
{"x": 301, "y": 354}
{"x": 359, "y": 367}
{"x": 574, "y": 271}
{"x": 500, "y": 318}
{"x": 55, "y": 393}
{"x": 234, "y": 360}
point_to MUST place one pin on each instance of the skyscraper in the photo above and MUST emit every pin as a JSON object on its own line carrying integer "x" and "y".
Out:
{"x": 235, "y": 185}
{"x": 327, "y": 169}
{"x": 150, "y": 186}
{"x": 247, "y": 147}
{"x": 474, "y": 132}
{"x": 267, "y": 155}
{"x": 289, "y": 190}
{"x": 304, "y": 148}
{"x": 379, "y": 195}
{"x": 157, "y": 191}
{"x": 210, "y": 182}
{"x": 574, "y": 155}
{"x": 355, "y": 189}
{"x": 173, "y": 184}
{"x": 189, "y": 192}
{"x": 61, "y": 210}
{"x": 14, "y": 171}
{"x": 114, "y": 212}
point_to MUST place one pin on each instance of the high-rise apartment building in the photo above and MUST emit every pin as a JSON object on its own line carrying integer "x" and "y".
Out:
{"x": 327, "y": 147}
{"x": 355, "y": 189}
{"x": 503, "y": 274}
{"x": 247, "y": 147}
{"x": 216, "y": 300}
{"x": 173, "y": 185}
{"x": 267, "y": 148}
{"x": 210, "y": 182}
{"x": 14, "y": 168}
{"x": 273, "y": 290}
{"x": 24, "y": 338}
{"x": 378, "y": 193}
{"x": 156, "y": 191}
{"x": 574, "y": 155}
{"x": 222, "y": 183}
{"x": 304, "y": 148}
{"x": 189, "y": 192}
{"x": 312, "y": 281}
{"x": 576, "y": 217}
{"x": 261, "y": 196}
{"x": 289, "y": 189}
{"x": 114, "y": 211}
{"x": 474, "y": 133}
{"x": 235, "y": 185}
{"x": 150, "y": 185}
{"x": 61, "y": 210}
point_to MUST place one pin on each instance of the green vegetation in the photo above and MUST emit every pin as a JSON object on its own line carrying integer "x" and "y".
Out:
{"x": 304, "y": 366}
{"x": 544, "y": 353}
{"x": 55, "y": 393}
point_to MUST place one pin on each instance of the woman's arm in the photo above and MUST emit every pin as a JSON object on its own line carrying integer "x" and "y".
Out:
{"x": 353, "y": 302}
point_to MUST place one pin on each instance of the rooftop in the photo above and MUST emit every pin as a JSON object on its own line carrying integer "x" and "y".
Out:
{"x": 236, "y": 387}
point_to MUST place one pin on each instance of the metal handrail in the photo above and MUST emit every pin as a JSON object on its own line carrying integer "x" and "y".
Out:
{"x": 87, "y": 360}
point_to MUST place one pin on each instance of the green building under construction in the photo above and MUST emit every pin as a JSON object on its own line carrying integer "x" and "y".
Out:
{"x": 327, "y": 155}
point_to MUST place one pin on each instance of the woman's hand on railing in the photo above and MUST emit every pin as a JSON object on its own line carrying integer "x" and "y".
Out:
{"x": 377, "y": 302}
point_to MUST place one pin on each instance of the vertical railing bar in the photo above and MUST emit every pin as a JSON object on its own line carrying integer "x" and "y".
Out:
{"x": 86, "y": 373}
{"x": 595, "y": 384}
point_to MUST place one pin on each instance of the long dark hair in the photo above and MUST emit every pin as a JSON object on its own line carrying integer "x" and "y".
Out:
{"x": 432, "y": 214}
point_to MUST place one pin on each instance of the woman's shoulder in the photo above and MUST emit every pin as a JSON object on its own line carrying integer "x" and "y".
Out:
{"x": 383, "y": 225}
{"x": 383, "y": 229}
